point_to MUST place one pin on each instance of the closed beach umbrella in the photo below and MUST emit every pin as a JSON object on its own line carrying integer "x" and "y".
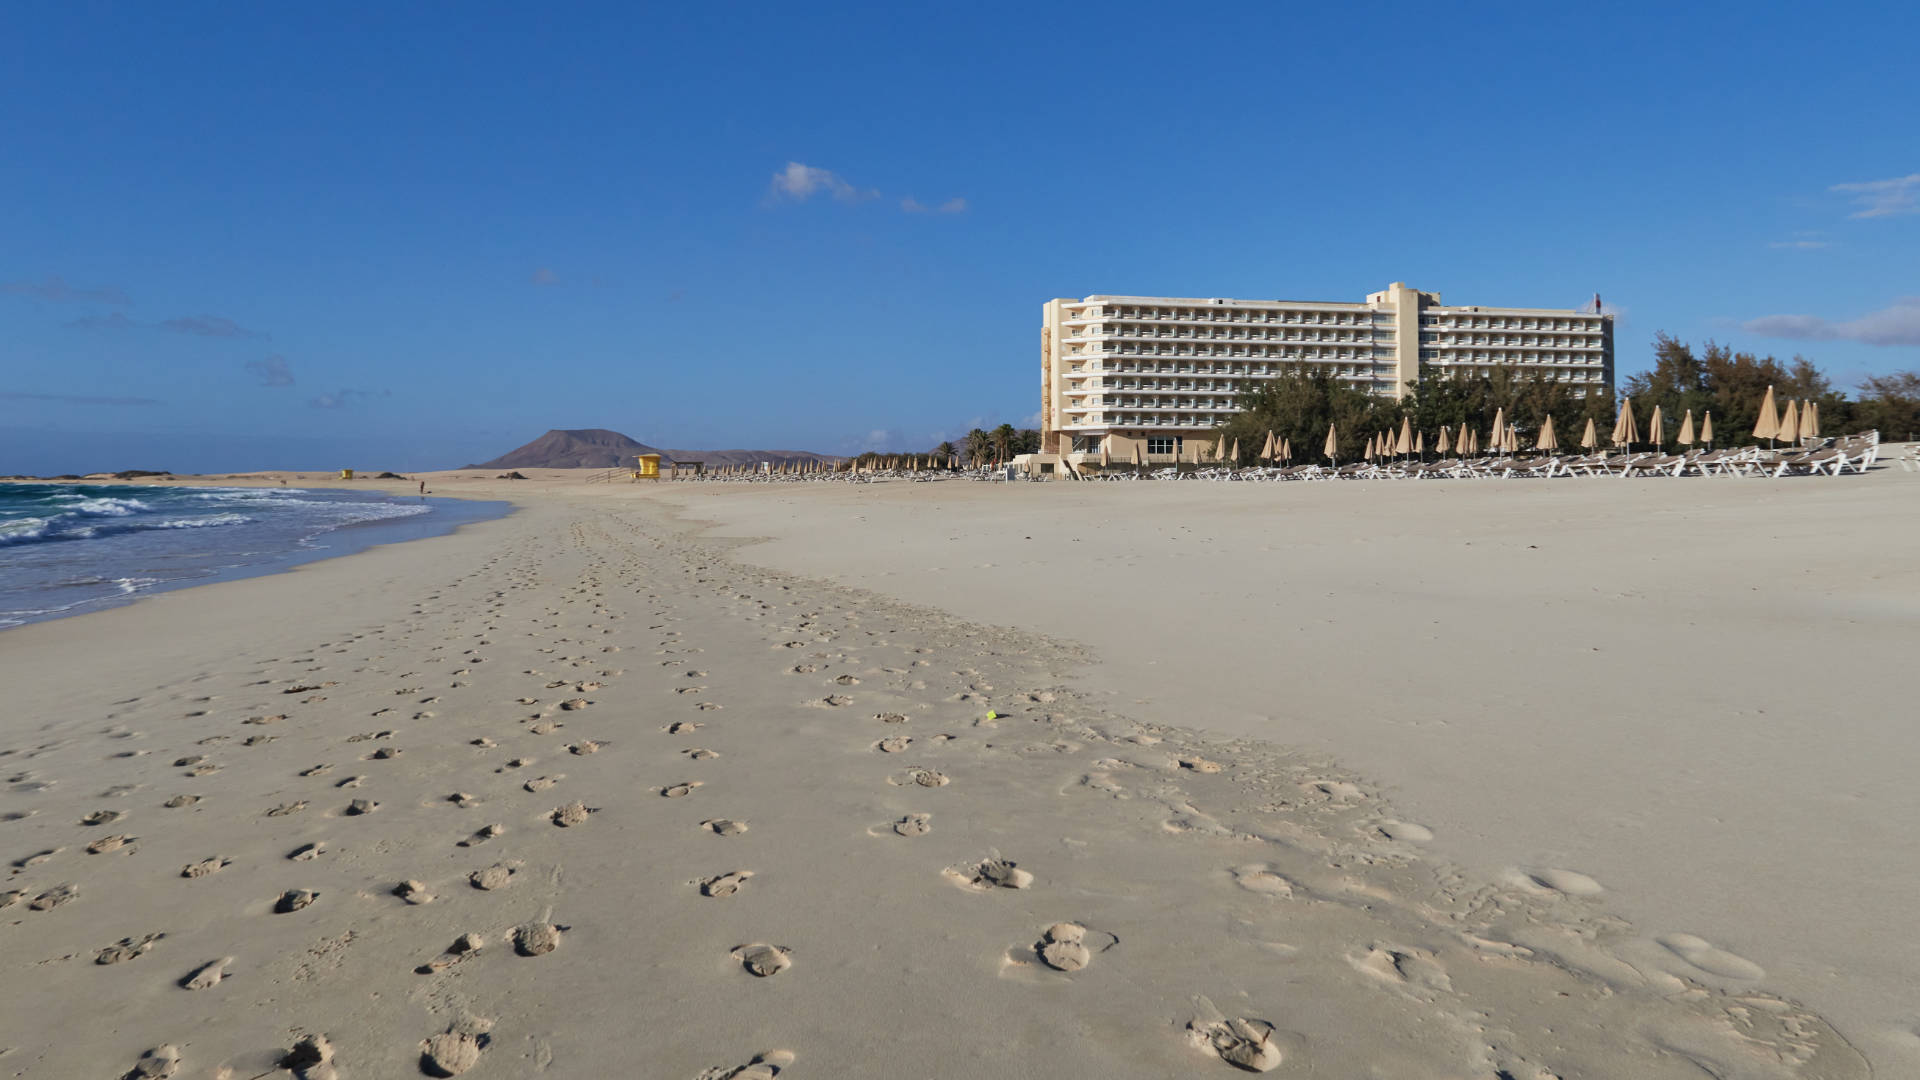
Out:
{"x": 1333, "y": 445}
{"x": 1686, "y": 430}
{"x": 1405, "y": 444}
{"x": 1286, "y": 448}
{"x": 1591, "y": 438}
{"x": 1499, "y": 427}
{"x": 1547, "y": 439}
{"x": 1790, "y": 423}
{"x": 1445, "y": 444}
{"x": 1106, "y": 457}
{"x": 1420, "y": 443}
{"x": 1810, "y": 421}
{"x": 1706, "y": 428}
{"x": 1768, "y": 425}
{"x": 1266, "y": 452}
{"x": 1220, "y": 447}
{"x": 1626, "y": 432}
{"x": 1656, "y": 428}
{"x": 1368, "y": 453}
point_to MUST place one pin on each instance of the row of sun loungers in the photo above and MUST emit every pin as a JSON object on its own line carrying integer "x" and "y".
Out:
{"x": 1830, "y": 457}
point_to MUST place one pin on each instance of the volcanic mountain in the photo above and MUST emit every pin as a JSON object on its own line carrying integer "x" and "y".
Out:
{"x": 598, "y": 448}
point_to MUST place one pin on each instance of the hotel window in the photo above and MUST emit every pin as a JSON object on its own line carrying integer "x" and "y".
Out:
{"x": 1163, "y": 444}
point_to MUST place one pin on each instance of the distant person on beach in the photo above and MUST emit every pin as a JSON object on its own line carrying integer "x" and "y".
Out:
{"x": 423, "y": 487}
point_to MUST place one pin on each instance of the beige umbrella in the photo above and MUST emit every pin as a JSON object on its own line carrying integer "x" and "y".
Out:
{"x": 1220, "y": 447}
{"x": 1420, "y": 444}
{"x": 1266, "y": 452}
{"x": 1790, "y": 423}
{"x": 1591, "y": 438}
{"x": 1445, "y": 445}
{"x": 1369, "y": 452}
{"x": 1656, "y": 428}
{"x": 1499, "y": 427}
{"x": 1405, "y": 443}
{"x": 1286, "y": 449}
{"x": 1768, "y": 425}
{"x": 1686, "y": 430}
{"x": 1233, "y": 455}
{"x": 1106, "y": 456}
{"x": 1136, "y": 457}
{"x": 1706, "y": 428}
{"x": 1547, "y": 440}
{"x": 1810, "y": 421}
{"x": 1625, "y": 431}
{"x": 1333, "y": 446}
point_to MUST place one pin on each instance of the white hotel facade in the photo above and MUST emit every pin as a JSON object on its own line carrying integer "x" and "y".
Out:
{"x": 1154, "y": 370}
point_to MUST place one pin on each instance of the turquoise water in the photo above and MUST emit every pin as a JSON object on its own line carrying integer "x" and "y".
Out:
{"x": 71, "y": 548}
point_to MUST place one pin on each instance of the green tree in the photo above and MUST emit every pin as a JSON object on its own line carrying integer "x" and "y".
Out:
{"x": 1002, "y": 438}
{"x": 1889, "y": 404}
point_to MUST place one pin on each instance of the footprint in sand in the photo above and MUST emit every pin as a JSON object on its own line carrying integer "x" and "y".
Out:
{"x": 1200, "y": 765}
{"x": 701, "y": 753}
{"x": 683, "y": 727}
{"x": 834, "y": 701}
{"x": 205, "y": 866}
{"x": 912, "y": 825}
{"x": 763, "y": 1067}
{"x": 287, "y": 809}
{"x": 179, "y": 801}
{"x": 1335, "y": 790}
{"x": 1404, "y": 965}
{"x": 483, "y": 835}
{"x": 452, "y": 1052}
{"x": 207, "y": 975}
{"x": 764, "y": 961}
{"x": 361, "y": 806}
{"x": 126, "y": 949}
{"x": 294, "y": 900}
{"x": 585, "y": 747}
{"x": 413, "y": 892}
{"x": 1262, "y": 879}
{"x": 1066, "y": 946}
{"x": 724, "y": 826}
{"x": 54, "y": 897}
{"x": 308, "y": 852}
{"x": 570, "y": 815}
{"x": 536, "y": 938}
{"x": 724, "y": 885}
{"x": 310, "y": 1059}
{"x": 1405, "y": 832}
{"x": 110, "y": 843}
{"x": 890, "y": 718}
{"x": 497, "y": 876}
{"x": 1569, "y": 882}
{"x": 1710, "y": 958}
{"x": 677, "y": 791}
{"x": 989, "y": 874}
{"x": 542, "y": 783}
{"x": 36, "y": 858}
{"x": 918, "y": 776}
{"x": 159, "y": 1063}
{"x": 463, "y": 948}
{"x": 893, "y": 745}
{"x": 102, "y": 817}
{"x": 1243, "y": 1042}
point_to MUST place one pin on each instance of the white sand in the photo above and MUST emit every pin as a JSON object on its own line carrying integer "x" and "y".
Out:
{"x": 1187, "y": 872}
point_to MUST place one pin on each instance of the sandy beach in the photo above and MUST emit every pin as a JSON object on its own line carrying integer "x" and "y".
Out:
{"x": 1475, "y": 779}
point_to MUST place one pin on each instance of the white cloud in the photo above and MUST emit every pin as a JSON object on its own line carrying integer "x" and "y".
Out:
{"x": 1883, "y": 198}
{"x": 802, "y": 182}
{"x": 1896, "y": 324}
{"x": 952, "y": 206}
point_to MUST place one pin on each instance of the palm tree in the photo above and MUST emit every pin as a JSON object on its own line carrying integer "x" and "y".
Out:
{"x": 978, "y": 445}
{"x": 1003, "y": 437}
{"x": 943, "y": 454}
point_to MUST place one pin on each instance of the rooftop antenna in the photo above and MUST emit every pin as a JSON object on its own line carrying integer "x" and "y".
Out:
{"x": 1597, "y": 309}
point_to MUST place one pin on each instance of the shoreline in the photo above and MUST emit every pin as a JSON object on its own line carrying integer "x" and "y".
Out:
{"x": 1237, "y": 889}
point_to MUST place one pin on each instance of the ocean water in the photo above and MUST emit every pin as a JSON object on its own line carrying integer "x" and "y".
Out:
{"x": 72, "y": 548}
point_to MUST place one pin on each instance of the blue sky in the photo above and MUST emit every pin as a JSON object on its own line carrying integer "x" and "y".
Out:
{"x": 253, "y": 236}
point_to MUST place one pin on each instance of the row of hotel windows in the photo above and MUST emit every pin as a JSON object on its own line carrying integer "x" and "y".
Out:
{"x": 1359, "y": 317}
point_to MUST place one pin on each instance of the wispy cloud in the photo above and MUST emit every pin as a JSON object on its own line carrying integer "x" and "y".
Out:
{"x": 115, "y": 321}
{"x": 799, "y": 183}
{"x": 209, "y": 326}
{"x": 1883, "y": 198}
{"x": 213, "y": 326}
{"x": 77, "y": 399}
{"x": 1897, "y": 324}
{"x": 54, "y": 289}
{"x": 544, "y": 275}
{"x": 952, "y": 206}
{"x": 343, "y": 399}
{"x": 273, "y": 371}
{"x": 1798, "y": 245}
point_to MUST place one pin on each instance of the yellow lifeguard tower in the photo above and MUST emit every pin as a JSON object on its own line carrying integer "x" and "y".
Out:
{"x": 649, "y": 467}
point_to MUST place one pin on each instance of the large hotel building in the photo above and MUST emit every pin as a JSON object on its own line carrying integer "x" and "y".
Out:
{"x": 1122, "y": 370}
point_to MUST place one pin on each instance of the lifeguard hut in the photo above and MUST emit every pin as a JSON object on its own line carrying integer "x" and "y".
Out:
{"x": 649, "y": 467}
